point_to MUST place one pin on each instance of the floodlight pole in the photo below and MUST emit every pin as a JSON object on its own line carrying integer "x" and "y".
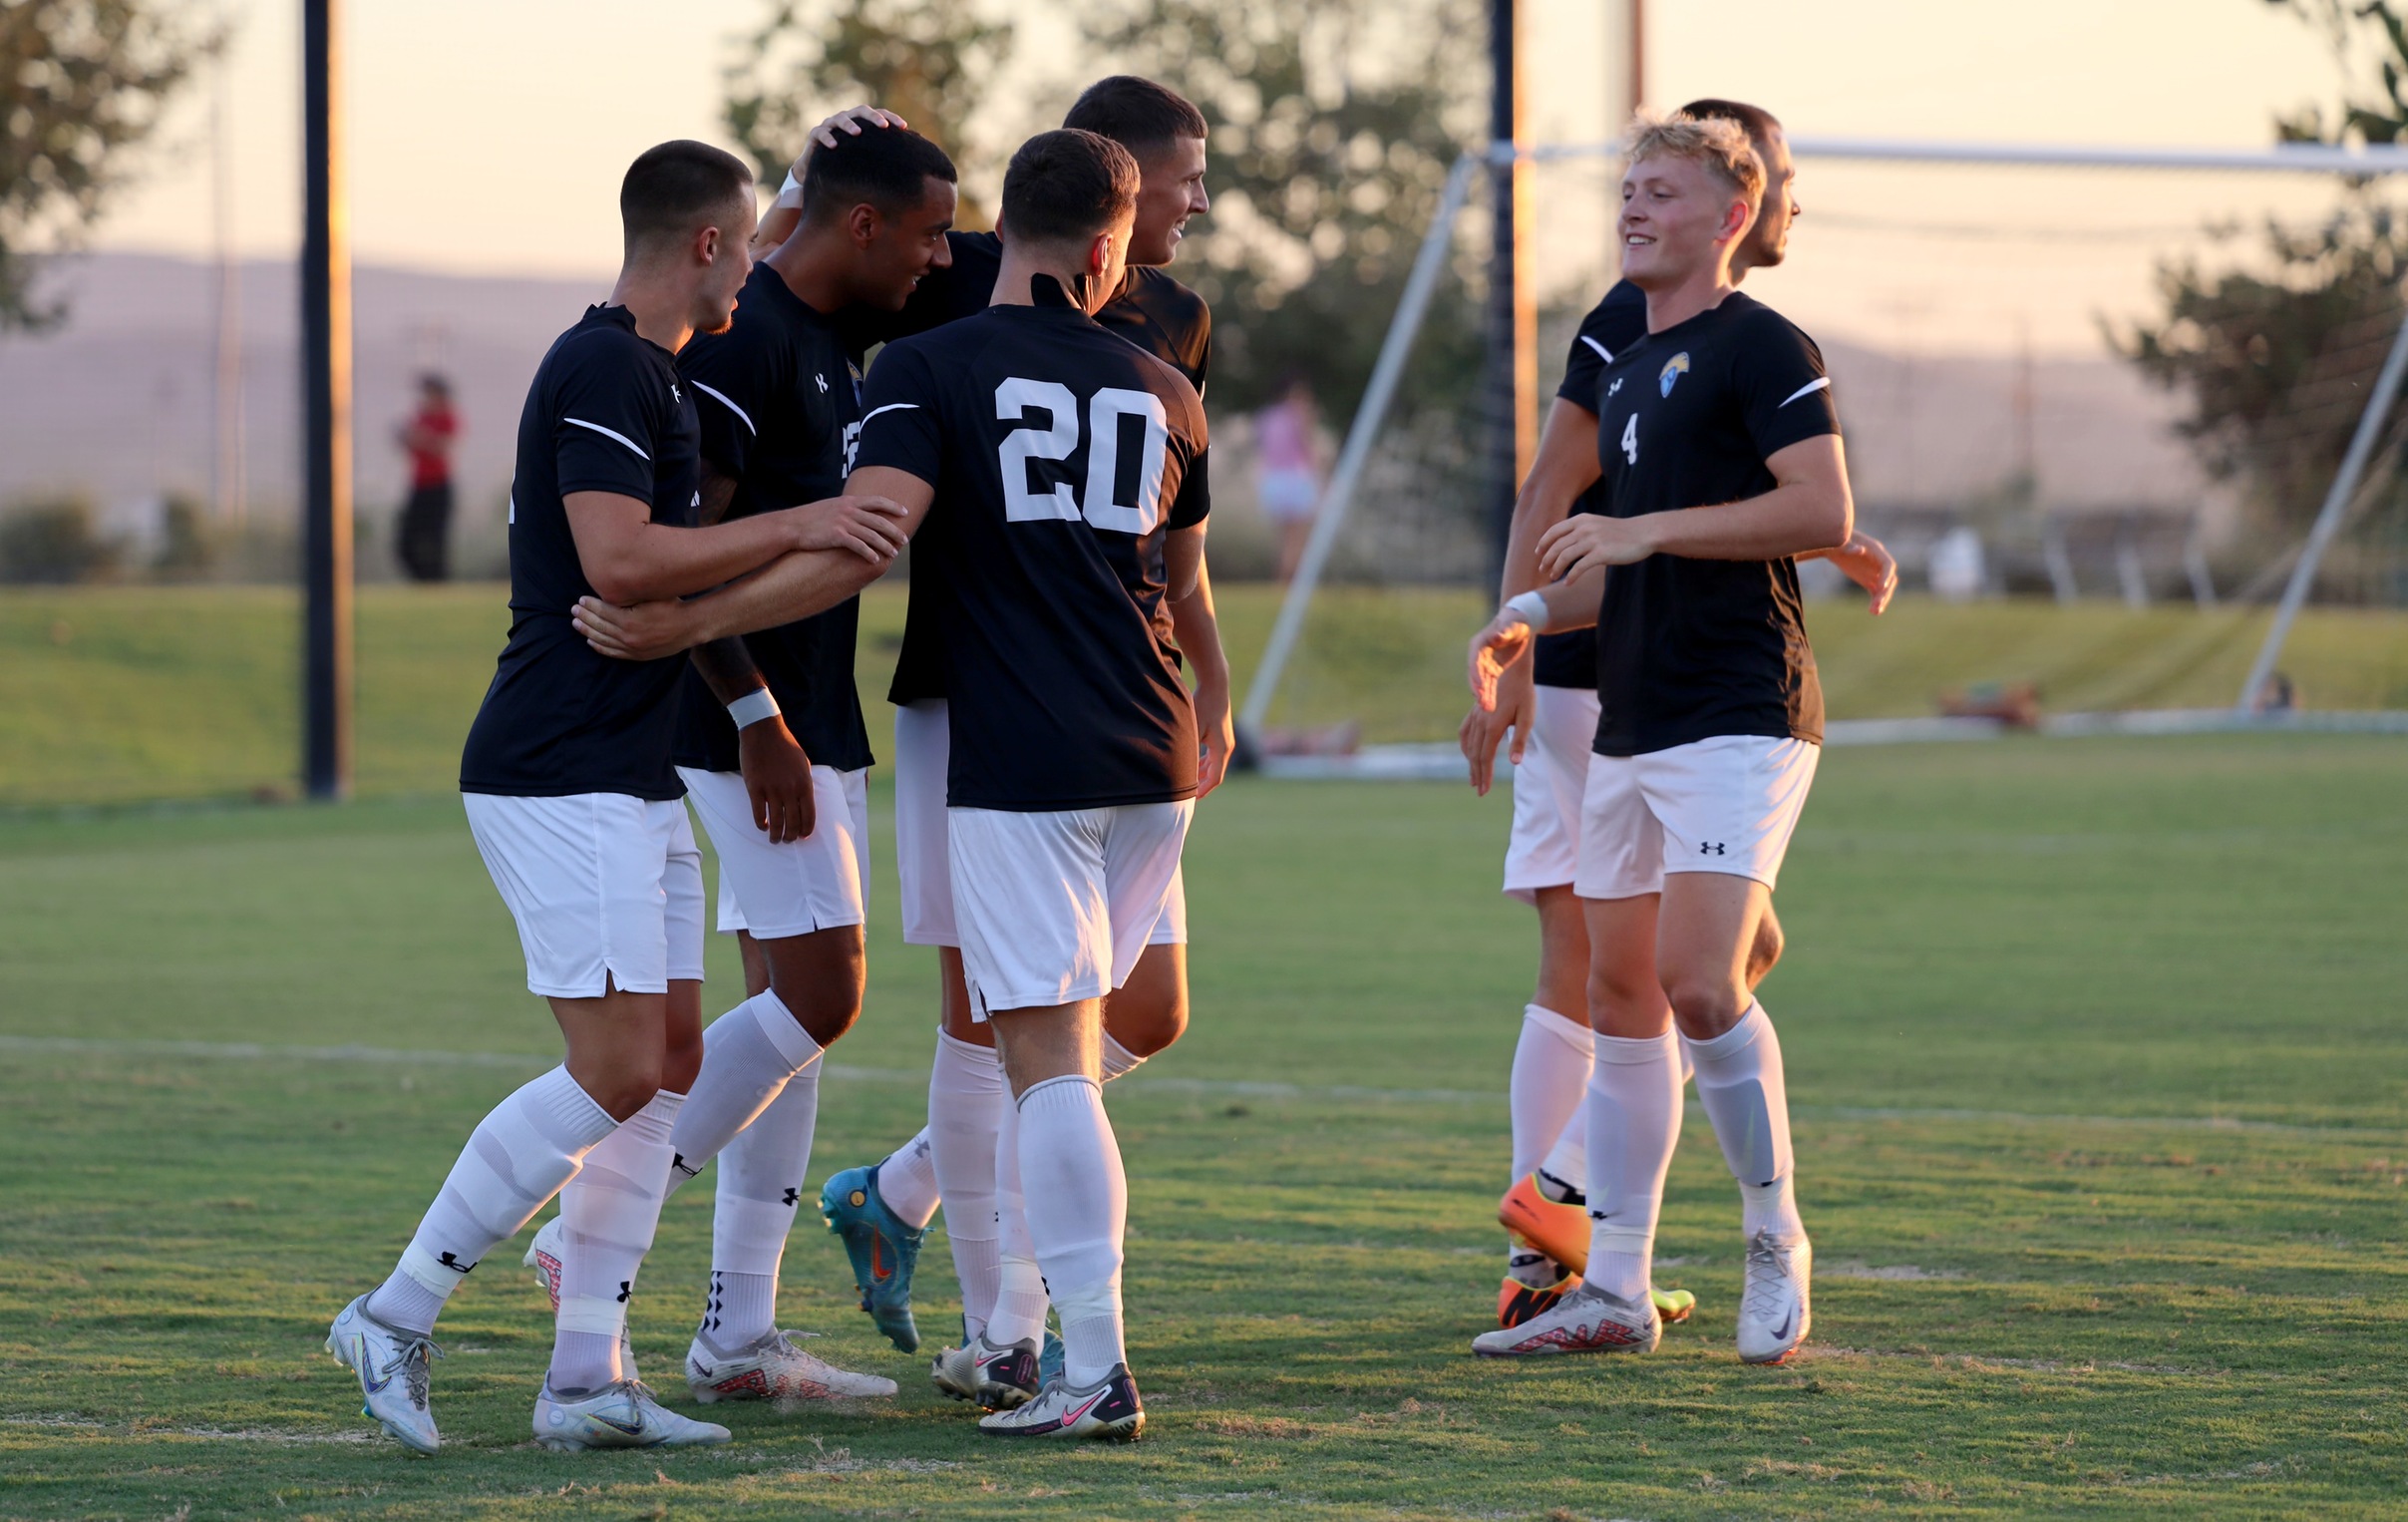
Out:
{"x": 2329, "y": 517}
{"x": 326, "y": 412}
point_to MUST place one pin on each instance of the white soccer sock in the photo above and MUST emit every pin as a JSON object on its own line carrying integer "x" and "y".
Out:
{"x": 1018, "y": 1313}
{"x": 965, "y": 1104}
{"x": 608, "y": 1214}
{"x": 1076, "y": 1200}
{"x": 517, "y": 1159}
{"x": 1551, "y": 1072}
{"x": 1119, "y": 1062}
{"x": 1568, "y": 1160}
{"x": 1740, "y": 1083}
{"x": 906, "y": 1181}
{"x": 747, "y": 1054}
{"x": 1634, "y": 1124}
{"x": 762, "y": 1171}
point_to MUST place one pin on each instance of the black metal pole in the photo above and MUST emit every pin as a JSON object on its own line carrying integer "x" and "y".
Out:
{"x": 326, "y": 405}
{"x": 1499, "y": 475}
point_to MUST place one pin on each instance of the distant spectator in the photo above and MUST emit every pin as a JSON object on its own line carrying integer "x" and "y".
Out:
{"x": 1288, "y": 467}
{"x": 424, "y": 541}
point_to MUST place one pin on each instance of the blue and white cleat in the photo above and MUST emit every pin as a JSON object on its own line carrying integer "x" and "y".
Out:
{"x": 1107, "y": 1408}
{"x": 394, "y": 1368}
{"x": 622, "y": 1416}
{"x": 884, "y": 1252}
{"x": 1049, "y": 1358}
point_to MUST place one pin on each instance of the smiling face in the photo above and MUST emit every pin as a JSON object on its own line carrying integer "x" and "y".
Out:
{"x": 898, "y": 250}
{"x": 1679, "y": 220}
{"x": 1170, "y": 191}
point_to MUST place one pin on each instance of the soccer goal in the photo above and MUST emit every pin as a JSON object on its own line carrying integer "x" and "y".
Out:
{"x": 2001, "y": 322}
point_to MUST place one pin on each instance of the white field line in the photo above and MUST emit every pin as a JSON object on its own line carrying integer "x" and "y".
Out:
{"x": 1229, "y": 1089}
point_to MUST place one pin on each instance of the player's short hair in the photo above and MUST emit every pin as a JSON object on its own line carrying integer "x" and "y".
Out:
{"x": 1718, "y": 144}
{"x": 1067, "y": 186}
{"x": 1759, "y": 122}
{"x": 887, "y": 166}
{"x": 676, "y": 187}
{"x": 1136, "y": 113}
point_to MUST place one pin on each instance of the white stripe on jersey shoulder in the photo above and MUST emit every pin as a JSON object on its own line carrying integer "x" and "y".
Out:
{"x": 890, "y": 406}
{"x": 1809, "y": 389}
{"x": 608, "y": 433}
{"x": 724, "y": 400}
{"x": 1603, "y": 352}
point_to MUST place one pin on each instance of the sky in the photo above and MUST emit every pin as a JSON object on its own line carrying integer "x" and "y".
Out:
{"x": 490, "y": 137}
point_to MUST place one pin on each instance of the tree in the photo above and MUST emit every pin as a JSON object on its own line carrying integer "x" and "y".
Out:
{"x": 82, "y": 85}
{"x": 2275, "y": 354}
{"x": 932, "y": 62}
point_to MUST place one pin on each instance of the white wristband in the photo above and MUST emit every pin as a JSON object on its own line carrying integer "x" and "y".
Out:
{"x": 1530, "y": 608}
{"x": 753, "y": 707}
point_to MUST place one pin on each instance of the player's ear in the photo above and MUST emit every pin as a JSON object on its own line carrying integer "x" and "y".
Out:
{"x": 1099, "y": 253}
{"x": 864, "y": 225}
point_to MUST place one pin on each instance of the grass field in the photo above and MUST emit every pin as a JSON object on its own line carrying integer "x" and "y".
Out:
{"x": 119, "y": 694}
{"x": 2102, "y": 1118}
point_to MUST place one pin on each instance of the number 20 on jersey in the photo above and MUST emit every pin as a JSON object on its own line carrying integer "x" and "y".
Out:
{"x": 1060, "y": 440}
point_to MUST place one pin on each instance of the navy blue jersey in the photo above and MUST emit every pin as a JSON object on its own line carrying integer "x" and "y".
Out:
{"x": 606, "y": 413}
{"x": 1152, "y": 310}
{"x": 1060, "y": 456}
{"x": 1612, "y": 325}
{"x": 1688, "y": 649}
{"x": 780, "y": 409}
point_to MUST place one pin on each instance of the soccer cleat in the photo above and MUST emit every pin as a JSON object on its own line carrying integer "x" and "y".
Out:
{"x": 1558, "y": 1230}
{"x": 625, "y": 1415}
{"x": 394, "y": 1369}
{"x": 1774, "y": 1308}
{"x": 1672, "y": 1304}
{"x": 1049, "y": 1360}
{"x": 772, "y": 1368}
{"x": 998, "y": 1379}
{"x": 543, "y": 1256}
{"x": 1586, "y": 1320}
{"x": 884, "y": 1252}
{"x": 1107, "y": 1408}
{"x": 1517, "y": 1303}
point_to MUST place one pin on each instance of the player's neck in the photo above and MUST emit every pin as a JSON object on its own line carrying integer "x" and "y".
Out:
{"x": 814, "y": 269}
{"x": 1671, "y": 305}
{"x": 1012, "y": 278}
{"x": 663, "y": 308}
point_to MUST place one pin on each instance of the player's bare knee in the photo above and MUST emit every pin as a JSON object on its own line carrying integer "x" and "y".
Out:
{"x": 1703, "y": 1005}
{"x": 1149, "y": 1025}
{"x": 818, "y": 977}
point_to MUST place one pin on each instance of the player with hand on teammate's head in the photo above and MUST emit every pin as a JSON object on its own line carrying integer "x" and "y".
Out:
{"x": 572, "y": 798}
{"x": 773, "y": 750}
{"x": 1722, "y": 463}
{"x": 1547, "y": 706}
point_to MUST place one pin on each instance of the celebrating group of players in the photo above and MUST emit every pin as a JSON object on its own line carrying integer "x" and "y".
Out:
{"x": 704, "y": 484}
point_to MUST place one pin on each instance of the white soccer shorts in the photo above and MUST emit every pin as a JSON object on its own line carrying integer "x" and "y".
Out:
{"x": 923, "y": 871}
{"x": 775, "y": 890}
{"x": 1057, "y": 907}
{"x": 1728, "y": 804}
{"x": 607, "y": 889}
{"x": 1544, "y": 849}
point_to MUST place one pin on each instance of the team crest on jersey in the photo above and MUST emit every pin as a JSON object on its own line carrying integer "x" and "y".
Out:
{"x": 1674, "y": 368}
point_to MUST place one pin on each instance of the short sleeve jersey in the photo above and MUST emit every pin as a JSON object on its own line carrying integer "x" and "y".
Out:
{"x": 1152, "y": 310}
{"x": 1060, "y": 456}
{"x": 1688, "y": 649}
{"x": 1612, "y": 325}
{"x": 781, "y": 411}
{"x": 606, "y": 413}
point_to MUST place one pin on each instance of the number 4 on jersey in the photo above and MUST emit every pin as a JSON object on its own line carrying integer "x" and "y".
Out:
{"x": 1058, "y": 440}
{"x": 1630, "y": 440}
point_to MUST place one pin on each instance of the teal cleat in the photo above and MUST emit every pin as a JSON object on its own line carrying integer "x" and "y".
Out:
{"x": 884, "y": 1252}
{"x": 1049, "y": 1360}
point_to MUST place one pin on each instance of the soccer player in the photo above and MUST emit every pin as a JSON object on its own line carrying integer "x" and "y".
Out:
{"x": 1722, "y": 461}
{"x": 570, "y": 794}
{"x": 1549, "y": 705}
{"x": 882, "y": 1210}
{"x": 773, "y": 751}
{"x": 1071, "y": 469}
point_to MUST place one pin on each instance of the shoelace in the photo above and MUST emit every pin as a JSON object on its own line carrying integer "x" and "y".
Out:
{"x": 413, "y": 1360}
{"x": 1767, "y": 1276}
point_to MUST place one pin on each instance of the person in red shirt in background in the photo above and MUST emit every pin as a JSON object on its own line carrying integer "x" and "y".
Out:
{"x": 424, "y": 540}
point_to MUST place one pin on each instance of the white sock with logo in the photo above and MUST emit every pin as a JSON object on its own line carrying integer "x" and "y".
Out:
{"x": 1076, "y": 1200}
{"x": 748, "y": 1056}
{"x": 966, "y": 1105}
{"x": 1745, "y": 1093}
{"x": 609, "y": 1214}
{"x": 1018, "y": 1314}
{"x": 1551, "y": 1073}
{"x": 1634, "y": 1124}
{"x": 517, "y": 1159}
{"x": 1563, "y": 1177}
{"x": 907, "y": 1180}
{"x": 762, "y": 1172}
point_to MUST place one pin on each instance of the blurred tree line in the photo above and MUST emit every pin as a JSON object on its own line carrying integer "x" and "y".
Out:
{"x": 1333, "y": 127}
{"x": 2275, "y": 354}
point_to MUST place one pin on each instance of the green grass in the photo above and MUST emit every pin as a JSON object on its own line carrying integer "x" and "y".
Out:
{"x": 2102, "y": 1118}
{"x": 121, "y": 694}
